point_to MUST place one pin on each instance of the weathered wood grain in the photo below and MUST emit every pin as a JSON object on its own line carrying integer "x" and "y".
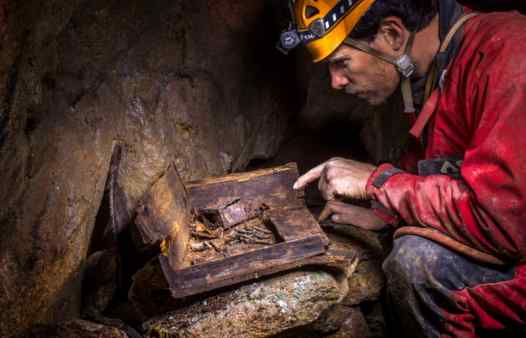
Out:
{"x": 293, "y": 224}
{"x": 164, "y": 217}
{"x": 241, "y": 268}
{"x": 231, "y": 201}
{"x": 151, "y": 292}
{"x": 272, "y": 187}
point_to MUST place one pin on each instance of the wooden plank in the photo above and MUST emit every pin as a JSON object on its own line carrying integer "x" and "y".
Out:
{"x": 230, "y": 200}
{"x": 272, "y": 187}
{"x": 241, "y": 268}
{"x": 294, "y": 224}
{"x": 151, "y": 294}
{"x": 245, "y": 176}
{"x": 163, "y": 218}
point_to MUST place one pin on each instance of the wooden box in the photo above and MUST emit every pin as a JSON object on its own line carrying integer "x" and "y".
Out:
{"x": 222, "y": 231}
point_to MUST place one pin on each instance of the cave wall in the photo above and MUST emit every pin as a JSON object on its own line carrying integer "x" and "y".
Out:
{"x": 197, "y": 83}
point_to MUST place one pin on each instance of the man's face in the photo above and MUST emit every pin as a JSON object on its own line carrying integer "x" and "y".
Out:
{"x": 363, "y": 75}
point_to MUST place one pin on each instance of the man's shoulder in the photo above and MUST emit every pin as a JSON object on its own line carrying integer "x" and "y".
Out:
{"x": 493, "y": 31}
{"x": 490, "y": 63}
{"x": 492, "y": 43}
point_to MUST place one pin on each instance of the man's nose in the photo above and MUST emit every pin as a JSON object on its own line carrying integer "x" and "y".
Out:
{"x": 338, "y": 80}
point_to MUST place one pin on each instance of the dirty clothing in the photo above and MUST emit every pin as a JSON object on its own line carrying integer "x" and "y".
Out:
{"x": 471, "y": 183}
{"x": 441, "y": 293}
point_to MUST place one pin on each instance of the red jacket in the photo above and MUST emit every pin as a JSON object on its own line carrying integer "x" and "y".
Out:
{"x": 479, "y": 118}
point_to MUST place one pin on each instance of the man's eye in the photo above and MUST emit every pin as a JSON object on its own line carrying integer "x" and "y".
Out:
{"x": 340, "y": 64}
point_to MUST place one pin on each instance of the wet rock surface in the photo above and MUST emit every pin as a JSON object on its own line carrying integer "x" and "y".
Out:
{"x": 75, "y": 328}
{"x": 191, "y": 83}
{"x": 197, "y": 84}
{"x": 353, "y": 324}
{"x": 260, "y": 309}
{"x": 311, "y": 303}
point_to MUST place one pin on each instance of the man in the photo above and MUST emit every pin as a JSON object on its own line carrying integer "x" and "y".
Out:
{"x": 457, "y": 268}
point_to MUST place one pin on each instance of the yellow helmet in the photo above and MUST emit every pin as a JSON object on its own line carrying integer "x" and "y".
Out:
{"x": 322, "y": 25}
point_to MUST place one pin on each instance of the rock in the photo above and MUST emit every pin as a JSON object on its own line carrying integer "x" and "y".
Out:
{"x": 374, "y": 316}
{"x": 150, "y": 293}
{"x": 75, "y": 328}
{"x": 352, "y": 325}
{"x": 338, "y": 321}
{"x": 195, "y": 83}
{"x": 100, "y": 281}
{"x": 260, "y": 309}
{"x": 366, "y": 284}
{"x": 367, "y": 281}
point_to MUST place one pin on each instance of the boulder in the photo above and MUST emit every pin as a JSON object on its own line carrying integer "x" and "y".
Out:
{"x": 353, "y": 324}
{"x": 193, "y": 83}
{"x": 259, "y": 309}
{"x": 74, "y": 328}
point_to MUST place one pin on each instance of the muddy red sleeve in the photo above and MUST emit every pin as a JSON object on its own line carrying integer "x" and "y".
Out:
{"x": 486, "y": 207}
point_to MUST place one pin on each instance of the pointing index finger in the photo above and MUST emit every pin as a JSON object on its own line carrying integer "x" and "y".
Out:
{"x": 309, "y": 177}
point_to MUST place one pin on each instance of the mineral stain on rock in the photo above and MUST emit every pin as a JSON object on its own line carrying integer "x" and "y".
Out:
{"x": 196, "y": 83}
{"x": 75, "y": 76}
{"x": 261, "y": 309}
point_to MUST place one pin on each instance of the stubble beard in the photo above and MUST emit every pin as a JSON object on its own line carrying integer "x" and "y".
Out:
{"x": 380, "y": 93}
{"x": 368, "y": 96}
{"x": 349, "y": 89}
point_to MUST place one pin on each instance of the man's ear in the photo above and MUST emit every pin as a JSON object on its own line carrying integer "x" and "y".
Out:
{"x": 393, "y": 31}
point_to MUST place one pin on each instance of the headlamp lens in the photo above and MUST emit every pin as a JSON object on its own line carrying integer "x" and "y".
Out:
{"x": 289, "y": 40}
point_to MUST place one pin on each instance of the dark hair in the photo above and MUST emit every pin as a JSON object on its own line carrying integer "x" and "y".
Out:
{"x": 415, "y": 14}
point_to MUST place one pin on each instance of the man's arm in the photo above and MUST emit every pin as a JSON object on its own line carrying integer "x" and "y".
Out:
{"x": 340, "y": 177}
{"x": 486, "y": 208}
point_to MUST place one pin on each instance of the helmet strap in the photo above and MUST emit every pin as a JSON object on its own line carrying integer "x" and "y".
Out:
{"x": 407, "y": 67}
{"x": 404, "y": 65}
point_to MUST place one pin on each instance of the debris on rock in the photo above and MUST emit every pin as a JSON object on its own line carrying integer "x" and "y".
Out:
{"x": 259, "y": 309}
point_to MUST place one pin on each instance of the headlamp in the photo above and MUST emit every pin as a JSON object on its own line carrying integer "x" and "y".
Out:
{"x": 293, "y": 37}
{"x": 318, "y": 28}
{"x": 288, "y": 41}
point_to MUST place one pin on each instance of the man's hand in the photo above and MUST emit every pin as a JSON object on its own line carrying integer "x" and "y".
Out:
{"x": 339, "y": 177}
{"x": 343, "y": 213}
